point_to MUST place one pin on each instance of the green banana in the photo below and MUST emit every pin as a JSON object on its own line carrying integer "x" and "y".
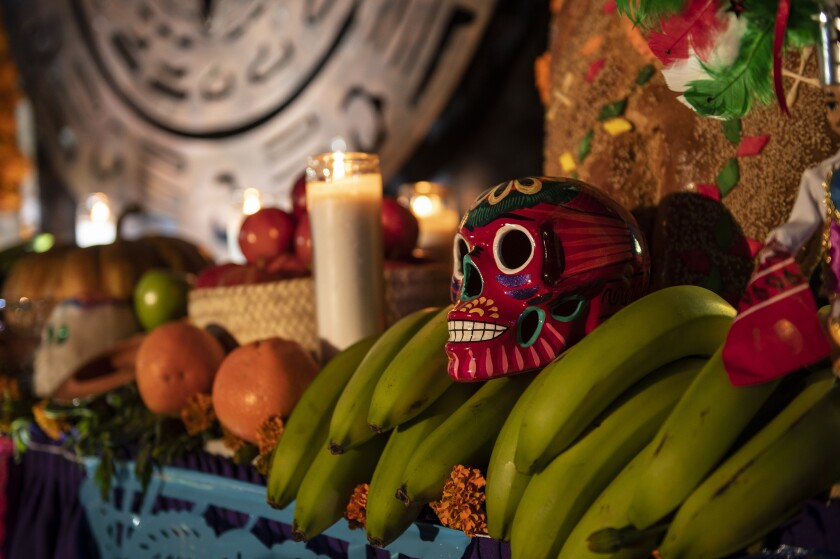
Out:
{"x": 793, "y": 458}
{"x": 505, "y": 485}
{"x": 387, "y": 517}
{"x": 560, "y": 494}
{"x": 608, "y": 510}
{"x": 698, "y": 433}
{"x": 348, "y": 426}
{"x": 657, "y": 329}
{"x": 414, "y": 379}
{"x": 328, "y": 485}
{"x": 466, "y": 437}
{"x": 306, "y": 428}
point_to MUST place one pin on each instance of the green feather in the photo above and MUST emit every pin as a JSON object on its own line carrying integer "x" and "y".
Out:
{"x": 802, "y": 28}
{"x": 648, "y": 12}
{"x": 731, "y": 90}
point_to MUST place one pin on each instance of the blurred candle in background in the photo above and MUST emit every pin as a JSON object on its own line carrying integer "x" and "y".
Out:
{"x": 344, "y": 198}
{"x": 437, "y": 215}
{"x": 96, "y": 223}
{"x": 246, "y": 202}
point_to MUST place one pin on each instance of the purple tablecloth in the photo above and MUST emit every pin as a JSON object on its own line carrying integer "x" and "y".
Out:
{"x": 44, "y": 517}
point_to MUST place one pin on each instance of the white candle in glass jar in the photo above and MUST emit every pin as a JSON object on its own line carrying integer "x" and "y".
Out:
{"x": 344, "y": 200}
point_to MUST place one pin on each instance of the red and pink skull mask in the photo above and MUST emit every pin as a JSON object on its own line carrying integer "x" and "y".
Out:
{"x": 539, "y": 263}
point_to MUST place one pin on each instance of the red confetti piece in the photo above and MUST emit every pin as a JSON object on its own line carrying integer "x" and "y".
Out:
{"x": 697, "y": 262}
{"x": 752, "y": 145}
{"x": 709, "y": 191}
{"x": 595, "y": 69}
{"x": 609, "y": 7}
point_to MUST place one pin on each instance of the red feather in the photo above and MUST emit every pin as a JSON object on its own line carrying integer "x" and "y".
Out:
{"x": 697, "y": 26}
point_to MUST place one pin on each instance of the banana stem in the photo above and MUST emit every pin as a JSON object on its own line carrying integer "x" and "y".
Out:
{"x": 611, "y": 540}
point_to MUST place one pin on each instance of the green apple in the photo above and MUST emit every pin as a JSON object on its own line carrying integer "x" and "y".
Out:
{"x": 160, "y": 296}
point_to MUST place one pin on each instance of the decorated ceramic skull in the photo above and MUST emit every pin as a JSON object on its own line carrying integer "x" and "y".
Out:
{"x": 538, "y": 264}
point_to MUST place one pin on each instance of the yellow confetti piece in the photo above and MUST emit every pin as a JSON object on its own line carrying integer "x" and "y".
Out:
{"x": 567, "y": 162}
{"x": 617, "y": 126}
{"x": 592, "y": 45}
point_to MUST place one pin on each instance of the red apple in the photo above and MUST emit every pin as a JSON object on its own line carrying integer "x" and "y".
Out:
{"x": 245, "y": 274}
{"x": 399, "y": 229}
{"x": 211, "y": 276}
{"x": 303, "y": 240}
{"x": 286, "y": 266}
{"x": 299, "y": 197}
{"x": 265, "y": 234}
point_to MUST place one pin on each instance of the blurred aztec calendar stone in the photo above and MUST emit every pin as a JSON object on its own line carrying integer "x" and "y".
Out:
{"x": 179, "y": 105}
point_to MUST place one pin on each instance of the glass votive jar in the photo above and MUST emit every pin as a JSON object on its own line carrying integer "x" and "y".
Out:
{"x": 344, "y": 200}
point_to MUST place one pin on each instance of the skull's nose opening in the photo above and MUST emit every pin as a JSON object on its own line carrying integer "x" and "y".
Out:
{"x": 473, "y": 284}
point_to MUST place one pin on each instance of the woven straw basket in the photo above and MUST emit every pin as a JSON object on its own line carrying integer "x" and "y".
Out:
{"x": 287, "y": 308}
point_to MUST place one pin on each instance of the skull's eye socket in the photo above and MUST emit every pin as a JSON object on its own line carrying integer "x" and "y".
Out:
{"x": 459, "y": 251}
{"x": 513, "y": 248}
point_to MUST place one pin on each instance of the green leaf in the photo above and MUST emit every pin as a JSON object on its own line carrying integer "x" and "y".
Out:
{"x": 732, "y": 130}
{"x": 728, "y": 176}
{"x": 730, "y": 91}
{"x": 105, "y": 473}
{"x": 245, "y": 453}
{"x": 645, "y": 74}
{"x": 612, "y": 110}
{"x": 645, "y": 12}
{"x": 585, "y": 145}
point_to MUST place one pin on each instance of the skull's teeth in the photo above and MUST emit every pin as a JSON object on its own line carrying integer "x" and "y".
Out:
{"x": 470, "y": 331}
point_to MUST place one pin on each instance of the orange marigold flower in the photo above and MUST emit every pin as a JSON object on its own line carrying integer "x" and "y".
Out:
{"x": 268, "y": 433}
{"x": 461, "y": 506}
{"x": 52, "y": 427}
{"x": 198, "y": 415}
{"x": 262, "y": 464}
{"x": 356, "y": 513}
{"x": 231, "y": 441}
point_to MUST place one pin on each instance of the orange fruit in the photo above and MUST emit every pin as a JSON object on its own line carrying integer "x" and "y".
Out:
{"x": 258, "y": 380}
{"x": 174, "y": 362}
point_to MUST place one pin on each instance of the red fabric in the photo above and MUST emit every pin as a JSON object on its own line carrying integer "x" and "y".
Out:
{"x": 777, "y": 330}
{"x": 594, "y": 69}
{"x": 782, "y": 13}
{"x": 709, "y": 191}
{"x": 755, "y": 246}
{"x": 752, "y": 145}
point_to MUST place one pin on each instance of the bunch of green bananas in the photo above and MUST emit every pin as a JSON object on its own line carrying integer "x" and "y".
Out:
{"x": 385, "y": 412}
{"x": 633, "y": 439}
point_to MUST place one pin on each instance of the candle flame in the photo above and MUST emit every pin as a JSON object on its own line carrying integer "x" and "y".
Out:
{"x": 251, "y": 202}
{"x": 338, "y": 165}
{"x": 422, "y": 205}
{"x": 100, "y": 212}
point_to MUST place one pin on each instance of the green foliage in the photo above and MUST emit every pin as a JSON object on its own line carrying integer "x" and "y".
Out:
{"x": 117, "y": 426}
{"x": 648, "y": 12}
